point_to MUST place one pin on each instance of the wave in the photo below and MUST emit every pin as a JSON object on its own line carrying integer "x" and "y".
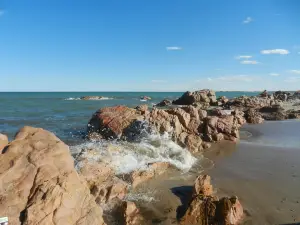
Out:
{"x": 125, "y": 157}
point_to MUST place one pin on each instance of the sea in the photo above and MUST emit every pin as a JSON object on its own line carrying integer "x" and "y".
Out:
{"x": 64, "y": 114}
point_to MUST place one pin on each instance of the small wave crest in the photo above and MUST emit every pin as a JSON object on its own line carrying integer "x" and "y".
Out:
{"x": 125, "y": 157}
{"x": 89, "y": 99}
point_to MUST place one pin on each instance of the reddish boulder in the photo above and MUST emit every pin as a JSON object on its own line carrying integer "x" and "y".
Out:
{"x": 189, "y": 98}
{"x": 110, "y": 122}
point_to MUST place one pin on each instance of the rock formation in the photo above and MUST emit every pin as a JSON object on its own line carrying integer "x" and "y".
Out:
{"x": 164, "y": 103}
{"x": 3, "y": 141}
{"x": 202, "y": 96}
{"x": 39, "y": 185}
{"x": 204, "y": 208}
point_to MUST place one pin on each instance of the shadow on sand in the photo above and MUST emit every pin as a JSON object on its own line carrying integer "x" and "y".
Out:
{"x": 184, "y": 193}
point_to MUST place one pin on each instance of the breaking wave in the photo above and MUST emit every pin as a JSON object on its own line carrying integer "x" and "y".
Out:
{"x": 125, "y": 157}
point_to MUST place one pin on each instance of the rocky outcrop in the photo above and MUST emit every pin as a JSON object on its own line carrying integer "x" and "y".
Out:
{"x": 39, "y": 185}
{"x": 139, "y": 176}
{"x": 281, "y": 95}
{"x": 164, "y": 103}
{"x": 253, "y": 116}
{"x": 243, "y": 103}
{"x": 3, "y": 141}
{"x": 202, "y": 96}
{"x": 204, "y": 208}
{"x": 92, "y": 98}
{"x": 223, "y": 127}
{"x": 111, "y": 122}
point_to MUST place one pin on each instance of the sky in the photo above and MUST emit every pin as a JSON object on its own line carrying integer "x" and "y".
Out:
{"x": 149, "y": 45}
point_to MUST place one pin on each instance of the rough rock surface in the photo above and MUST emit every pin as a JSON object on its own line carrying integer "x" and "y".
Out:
{"x": 202, "y": 96}
{"x": 110, "y": 122}
{"x": 3, "y": 141}
{"x": 131, "y": 214}
{"x": 137, "y": 177}
{"x": 39, "y": 185}
{"x": 253, "y": 116}
{"x": 204, "y": 208}
{"x": 164, "y": 103}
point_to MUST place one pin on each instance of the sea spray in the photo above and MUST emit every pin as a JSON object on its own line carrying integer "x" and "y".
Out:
{"x": 125, "y": 157}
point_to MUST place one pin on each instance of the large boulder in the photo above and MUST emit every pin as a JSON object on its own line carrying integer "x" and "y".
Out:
{"x": 110, "y": 122}
{"x": 189, "y": 98}
{"x": 39, "y": 185}
{"x": 3, "y": 141}
{"x": 130, "y": 214}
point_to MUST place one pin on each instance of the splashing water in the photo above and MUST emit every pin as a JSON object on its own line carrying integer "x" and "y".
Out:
{"x": 125, "y": 157}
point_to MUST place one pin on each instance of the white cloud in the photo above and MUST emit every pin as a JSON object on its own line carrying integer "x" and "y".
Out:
{"x": 243, "y": 57}
{"x": 294, "y": 71}
{"x": 292, "y": 79}
{"x": 253, "y": 62}
{"x": 274, "y": 74}
{"x": 173, "y": 48}
{"x": 275, "y": 51}
{"x": 247, "y": 20}
{"x": 158, "y": 81}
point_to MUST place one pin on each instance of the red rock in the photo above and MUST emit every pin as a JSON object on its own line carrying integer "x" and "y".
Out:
{"x": 131, "y": 214}
{"x": 202, "y": 186}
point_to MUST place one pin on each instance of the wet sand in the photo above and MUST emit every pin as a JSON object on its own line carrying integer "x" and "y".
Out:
{"x": 263, "y": 170}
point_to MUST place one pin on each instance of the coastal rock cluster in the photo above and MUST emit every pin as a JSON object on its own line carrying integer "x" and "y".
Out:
{"x": 189, "y": 126}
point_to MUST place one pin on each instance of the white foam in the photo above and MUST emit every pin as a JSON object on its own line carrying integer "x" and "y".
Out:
{"x": 91, "y": 99}
{"x": 125, "y": 157}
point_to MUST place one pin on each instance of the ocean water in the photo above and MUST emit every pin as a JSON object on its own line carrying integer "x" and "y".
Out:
{"x": 66, "y": 116}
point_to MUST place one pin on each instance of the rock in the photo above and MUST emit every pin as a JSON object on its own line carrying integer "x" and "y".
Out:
{"x": 110, "y": 122}
{"x": 3, "y": 141}
{"x": 204, "y": 208}
{"x": 218, "y": 137}
{"x": 139, "y": 176}
{"x": 229, "y": 211}
{"x": 164, "y": 103}
{"x": 281, "y": 95}
{"x": 92, "y": 97}
{"x": 193, "y": 143}
{"x": 142, "y": 108}
{"x": 202, "y": 186}
{"x": 39, "y": 185}
{"x": 189, "y": 98}
{"x": 206, "y": 145}
{"x": 131, "y": 214}
{"x": 275, "y": 116}
{"x": 264, "y": 94}
{"x": 254, "y": 117}
{"x": 293, "y": 114}
{"x": 202, "y": 114}
{"x": 271, "y": 109}
{"x": 109, "y": 189}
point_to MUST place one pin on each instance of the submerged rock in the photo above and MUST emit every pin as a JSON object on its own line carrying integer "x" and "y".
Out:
{"x": 92, "y": 97}
{"x": 39, "y": 185}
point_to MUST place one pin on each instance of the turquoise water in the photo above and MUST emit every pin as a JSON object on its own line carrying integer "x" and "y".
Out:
{"x": 67, "y": 117}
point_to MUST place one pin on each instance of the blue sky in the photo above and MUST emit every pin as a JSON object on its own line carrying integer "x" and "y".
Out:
{"x": 134, "y": 45}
